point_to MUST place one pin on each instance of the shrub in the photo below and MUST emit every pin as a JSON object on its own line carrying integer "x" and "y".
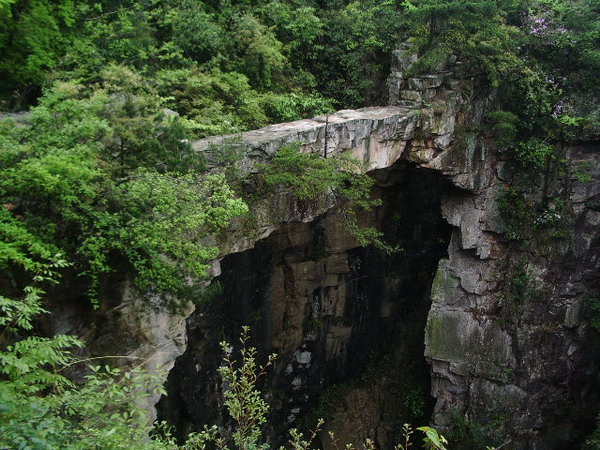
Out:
{"x": 309, "y": 176}
{"x": 533, "y": 153}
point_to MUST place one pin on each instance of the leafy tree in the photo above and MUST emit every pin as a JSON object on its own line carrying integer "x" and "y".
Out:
{"x": 195, "y": 31}
{"x": 34, "y": 34}
{"x": 40, "y": 407}
{"x": 440, "y": 15}
{"x": 242, "y": 400}
{"x": 352, "y": 59}
{"x": 477, "y": 31}
{"x": 71, "y": 187}
{"x": 123, "y": 32}
{"x": 143, "y": 133}
{"x": 218, "y": 102}
{"x": 162, "y": 217}
{"x": 298, "y": 27}
{"x": 259, "y": 53}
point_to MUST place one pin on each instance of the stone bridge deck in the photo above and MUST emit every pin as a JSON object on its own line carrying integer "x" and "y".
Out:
{"x": 371, "y": 134}
{"x": 421, "y": 121}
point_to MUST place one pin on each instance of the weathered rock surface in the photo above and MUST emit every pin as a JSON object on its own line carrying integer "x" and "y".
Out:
{"x": 333, "y": 311}
{"x": 524, "y": 366}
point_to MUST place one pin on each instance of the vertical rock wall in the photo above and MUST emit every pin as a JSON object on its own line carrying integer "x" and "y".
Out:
{"x": 510, "y": 348}
{"x": 511, "y": 351}
{"x": 335, "y": 313}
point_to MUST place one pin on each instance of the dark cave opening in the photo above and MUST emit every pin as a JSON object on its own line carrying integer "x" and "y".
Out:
{"x": 340, "y": 316}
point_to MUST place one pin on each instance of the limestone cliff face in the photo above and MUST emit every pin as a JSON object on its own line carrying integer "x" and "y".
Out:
{"x": 520, "y": 364}
{"x": 521, "y": 361}
{"x": 496, "y": 330}
{"x": 335, "y": 313}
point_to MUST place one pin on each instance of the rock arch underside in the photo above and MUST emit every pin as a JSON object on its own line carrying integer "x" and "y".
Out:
{"x": 372, "y": 340}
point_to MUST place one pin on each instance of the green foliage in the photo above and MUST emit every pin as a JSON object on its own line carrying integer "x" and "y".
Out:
{"x": 593, "y": 440}
{"x": 294, "y": 106}
{"x": 310, "y": 177}
{"x": 474, "y": 30}
{"x": 504, "y": 128}
{"x": 34, "y": 35}
{"x": 351, "y": 60}
{"x": 532, "y": 222}
{"x": 103, "y": 176}
{"x": 516, "y": 211}
{"x": 467, "y": 435}
{"x": 259, "y": 53}
{"x": 341, "y": 48}
{"x": 244, "y": 403}
{"x": 102, "y": 412}
{"x": 535, "y": 52}
{"x": 582, "y": 171}
{"x": 195, "y": 31}
{"x": 555, "y": 220}
{"x": 413, "y": 401}
{"x": 143, "y": 134}
{"x": 43, "y": 409}
{"x": 298, "y": 442}
{"x": 209, "y": 293}
{"x": 533, "y": 153}
{"x": 328, "y": 400}
{"x": 40, "y": 407}
{"x": 280, "y": 47}
{"x": 593, "y": 300}
{"x": 249, "y": 410}
{"x": 162, "y": 218}
{"x": 218, "y": 102}
{"x": 433, "y": 440}
{"x": 521, "y": 288}
{"x": 298, "y": 28}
